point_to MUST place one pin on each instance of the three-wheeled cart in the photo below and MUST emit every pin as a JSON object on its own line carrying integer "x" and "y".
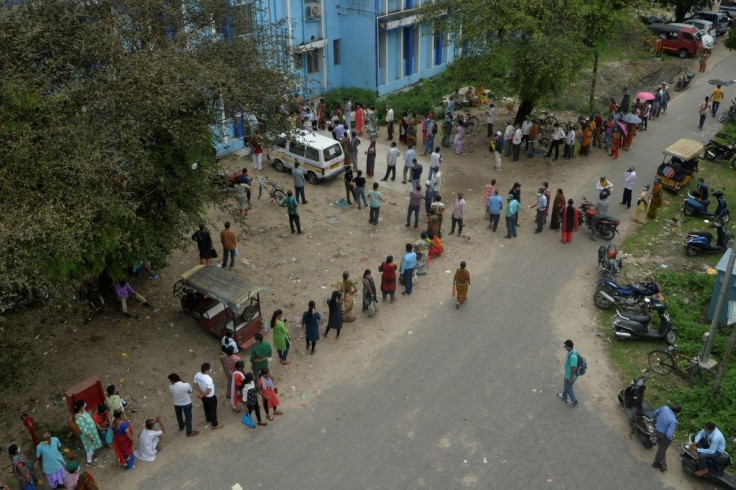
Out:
{"x": 219, "y": 299}
{"x": 680, "y": 163}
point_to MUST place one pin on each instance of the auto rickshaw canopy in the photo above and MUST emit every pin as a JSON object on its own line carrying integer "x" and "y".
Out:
{"x": 685, "y": 149}
{"x": 221, "y": 285}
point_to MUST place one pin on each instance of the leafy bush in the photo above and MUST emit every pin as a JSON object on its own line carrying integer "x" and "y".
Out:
{"x": 335, "y": 98}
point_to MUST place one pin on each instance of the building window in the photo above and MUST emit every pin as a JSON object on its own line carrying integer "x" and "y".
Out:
{"x": 313, "y": 61}
{"x": 298, "y": 61}
{"x": 336, "y": 51}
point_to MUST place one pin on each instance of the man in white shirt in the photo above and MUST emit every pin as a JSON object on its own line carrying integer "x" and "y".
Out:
{"x": 434, "y": 162}
{"x": 458, "y": 213}
{"x": 629, "y": 183}
{"x": 490, "y": 119}
{"x": 391, "y": 158}
{"x": 557, "y": 138}
{"x": 409, "y": 158}
{"x": 206, "y": 392}
{"x": 508, "y": 135}
{"x": 148, "y": 440}
{"x": 569, "y": 142}
{"x": 516, "y": 141}
{"x": 526, "y": 126}
{"x": 390, "y": 122}
{"x": 181, "y": 393}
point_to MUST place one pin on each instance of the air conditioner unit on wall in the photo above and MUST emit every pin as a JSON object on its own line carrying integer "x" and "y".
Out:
{"x": 314, "y": 11}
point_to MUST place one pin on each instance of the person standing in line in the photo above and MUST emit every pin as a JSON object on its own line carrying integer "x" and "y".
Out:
{"x": 458, "y": 141}
{"x": 310, "y": 323}
{"x": 260, "y": 353}
{"x": 548, "y": 194}
{"x": 703, "y": 112}
{"x": 22, "y": 468}
{"x": 608, "y": 132}
{"x": 416, "y": 174}
{"x": 569, "y": 221}
{"x": 228, "y": 359}
{"x": 497, "y": 149}
{"x": 557, "y": 137}
{"x": 569, "y": 142}
{"x": 359, "y": 181}
{"x": 353, "y": 148}
{"x": 526, "y": 127}
{"x": 348, "y": 110}
{"x": 391, "y": 158}
{"x": 388, "y": 279}
{"x": 430, "y": 131}
{"x": 461, "y": 283}
{"x": 372, "y": 123}
{"x": 369, "y": 289}
{"x": 716, "y": 97}
{"x": 370, "y": 159}
{"x": 629, "y": 183}
{"x": 508, "y": 136}
{"x": 598, "y": 119}
{"x": 711, "y": 448}
{"x": 204, "y": 245}
{"x": 334, "y": 318}
{"x": 409, "y": 158}
{"x": 390, "y": 122}
{"x": 571, "y": 366}
{"x": 359, "y": 118}
{"x": 557, "y": 205}
{"x": 236, "y": 393}
{"x": 181, "y": 394}
{"x": 281, "y": 340}
{"x": 458, "y": 213}
{"x": 408, "y": 264}
{"x": 429, "y": 194}
{"x": 541, "y": 207}
{"x": 516, "y": 192}
{"x": 269, "y": 394}
{"x": 495, "y": 205}
{"x": 229, "y": 244}
{"x": 666, "y": 418}
{"x": 322, "y": 114}
{"x": 291, "y": 208}
{"x": 88, "y": 435}
{"x": 435, "y": 159}
{"x": 205, "y": 387}
{"x": 298, "y": 174}
{"x": 642, "y": 203}
{"x": 616, "y": 141}
{"x": 512, "y": 210}
{"x": 532, "y": 140}
{"x": 52, "y": 461}
{"x": 516, "y": 140}
{"x": 349, "y": 185}
{"x": 490, "y": 119}
{"x": 646, "y": 112}
{"x": 446, "y": 130}
{"x": 257, "y": 149}
{"x": 656, "y": 198}
{"x": 415, "y": 202}
{"x": 488, "y": 191}
{"x": 375, "y": 198}
{"x": 250, "y": 397}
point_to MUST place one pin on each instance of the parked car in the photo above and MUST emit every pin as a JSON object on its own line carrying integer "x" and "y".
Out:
{"x": 708, "y": 40}
{"x": 731, "y": 16}
{"x": 721, "y": 21}
{"x": 680, "y": 40}
{"x": 651, "y": 19}
{"x": 321, "y": 157}
{"x": 703, "y": 26}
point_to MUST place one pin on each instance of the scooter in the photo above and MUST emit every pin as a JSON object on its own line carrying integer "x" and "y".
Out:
{"x": 609, "y": 293}
{"x": 700, "y": 242}
{"x": 684, "y": 80}
{"x": 638, "y": 411}
{"x": 717, "y": 475}
{"x": 692, "y": 207}
{"x": 629, "y": 325}
{"x": 607, "y": 225}
{"x": 608, "y": 263}
{"x": 717, "y": 151}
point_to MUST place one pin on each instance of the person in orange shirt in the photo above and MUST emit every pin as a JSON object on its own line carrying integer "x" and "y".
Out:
{"x": 229, "y": 244}
{"x": 716, "y": 98}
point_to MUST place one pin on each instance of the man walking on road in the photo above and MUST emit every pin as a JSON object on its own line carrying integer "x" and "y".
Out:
{"x": 703, "y": 112}
{"x": 629, "y": 183}
{"x": 495, "y": 204}
{"x": 716, "y": 97}
{"x": 458, "y": 213}
{"x": 409, "y": 158}
{"x": 666, "y": 418}
{"x": 571, "y": 366}
{"x": 229, "y": 244}
{"x": 291, "y": 204}
{"x": 512, "y": 209}
{"x": 391, "y": 157}
{"x": 298, "y": 175}
{"x": 415, "y": 202}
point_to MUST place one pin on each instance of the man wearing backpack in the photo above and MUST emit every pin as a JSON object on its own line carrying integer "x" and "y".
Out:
{"x": 431, "y": 126}
{"x": 571, "y": 366}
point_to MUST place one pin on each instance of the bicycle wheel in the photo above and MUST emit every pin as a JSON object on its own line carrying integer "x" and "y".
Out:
{"x": 661, "y": 362}
{"x": 725, "y": 116}
{"x": 469, "y": 128}
{"x": 544, "y": 143}
{"x": 474, "y": 120}
{"x": 277, "y": 196}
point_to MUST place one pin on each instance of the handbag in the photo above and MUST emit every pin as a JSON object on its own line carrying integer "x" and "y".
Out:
{"x": 213, "y": 253}
{"x": 109, "y": 436}
{"x": 248, "y": 420}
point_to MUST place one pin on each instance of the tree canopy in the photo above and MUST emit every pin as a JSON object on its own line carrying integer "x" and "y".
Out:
{"x": 106, "y": 116}
{"x": 683, "y": 7}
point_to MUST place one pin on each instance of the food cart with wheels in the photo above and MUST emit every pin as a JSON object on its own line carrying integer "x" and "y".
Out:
{"x": 219, "y": 299}
{"x": 680, "y": 163}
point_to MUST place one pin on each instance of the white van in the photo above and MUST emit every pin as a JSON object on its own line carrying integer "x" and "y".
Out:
{"x": 320, "y": 157}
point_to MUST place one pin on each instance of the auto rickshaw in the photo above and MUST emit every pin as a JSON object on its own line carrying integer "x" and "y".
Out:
{"x": 219, "y": 300}
{"x": 680, "y": 163}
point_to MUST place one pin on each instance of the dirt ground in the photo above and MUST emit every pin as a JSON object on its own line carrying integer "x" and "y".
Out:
{"x": 137, "y": 354}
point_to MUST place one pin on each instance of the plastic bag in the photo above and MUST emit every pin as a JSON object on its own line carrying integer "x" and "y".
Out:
{"x": 248, "y": 420}
{"x": 108, "y": 436}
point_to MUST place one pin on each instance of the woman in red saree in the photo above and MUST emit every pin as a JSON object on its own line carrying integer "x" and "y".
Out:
{"x": 436, "y": 249}
{"x": 123, "y": 440}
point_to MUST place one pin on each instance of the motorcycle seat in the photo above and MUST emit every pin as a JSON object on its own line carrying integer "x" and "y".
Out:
{"x": 609, "y": 218}
{"x": 641, "y": 289}
{"x": 646, "y": 410}
{"x": 636, "y": 317}
{"x": 704, "y": 234}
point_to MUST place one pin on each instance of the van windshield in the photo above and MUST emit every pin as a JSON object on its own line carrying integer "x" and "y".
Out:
{"x": 332, "y": 152}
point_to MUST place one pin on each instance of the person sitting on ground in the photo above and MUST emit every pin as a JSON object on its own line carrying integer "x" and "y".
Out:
{"x": 77, "y": 480}
{"x": 148, "y": 440}
{"x": 436, "y": 249}
{"x": 422, "y": 245}
{"x": 140, "y": 265}
{"x": 123, "y": 291}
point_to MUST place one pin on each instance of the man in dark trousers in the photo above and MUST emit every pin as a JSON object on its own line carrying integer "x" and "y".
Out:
{"x": 291, "y": 204}
{"x": 666, "y": 418}
{"x": 516, "y": 192}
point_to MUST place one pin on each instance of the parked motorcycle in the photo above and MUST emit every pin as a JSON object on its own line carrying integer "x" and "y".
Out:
{"x": 683, "y": 81}
{"x": 608, "y": 263}
{"x": 718, "y": 151}
{"x": 629, "y": 325}
{"x": 728, "y": 114}
{"x": 717, "y": 475}
{"x": 638, "y": 411}
{"x": 692, "y": 207}
{"x": 607, "y": 225}
{"x": 609, "y": 293}
{"x": 701, "y": 242}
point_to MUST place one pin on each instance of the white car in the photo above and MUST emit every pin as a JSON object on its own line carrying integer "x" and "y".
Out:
{"x": 703, "y": 26}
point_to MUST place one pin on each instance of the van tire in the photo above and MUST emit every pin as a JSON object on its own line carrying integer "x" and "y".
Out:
{"x": 279, "y": 165}
{"x": 683, "y": 53}
{"x": 312, "y": 178}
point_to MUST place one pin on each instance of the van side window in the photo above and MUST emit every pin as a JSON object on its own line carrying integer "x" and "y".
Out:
{"x": 688, "y": 37}
{"x": 280, "y": 142}
{"x": 672, "y": 36}
{"x": 331, "y": 152}
{"x": 296, "y": 148}
{"x": 312, "y": 154}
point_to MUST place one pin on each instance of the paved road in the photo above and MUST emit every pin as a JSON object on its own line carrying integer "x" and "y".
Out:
{"x": 467, "y": 400}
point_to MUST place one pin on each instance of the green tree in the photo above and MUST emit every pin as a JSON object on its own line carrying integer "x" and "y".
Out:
{"x": 683, "y": 7}
{"x": 106, "y": 117}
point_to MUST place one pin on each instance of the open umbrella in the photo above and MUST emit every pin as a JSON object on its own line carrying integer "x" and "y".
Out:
{"x": 631, "y": 118}
{"x": 622, "y": 128}
{"x": 645, "y": 96}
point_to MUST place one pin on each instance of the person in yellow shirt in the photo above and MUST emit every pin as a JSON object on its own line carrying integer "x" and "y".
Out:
{"x": 716, "y": 98}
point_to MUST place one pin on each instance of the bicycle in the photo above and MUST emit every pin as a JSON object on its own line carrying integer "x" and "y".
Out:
{"x": 276, "y": 193}
{"x": 470, "y": 122}
{"x": 547, "y": 123}
{"x": 664, "y": 362}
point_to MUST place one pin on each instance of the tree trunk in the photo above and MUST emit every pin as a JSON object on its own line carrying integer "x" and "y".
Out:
{"x": 525, "y": 108}
{"x": 591, "y": 100}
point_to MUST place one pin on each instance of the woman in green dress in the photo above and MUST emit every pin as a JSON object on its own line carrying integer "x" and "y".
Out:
{"x": 89, "y": 436}
{"x": 281, "y": 341}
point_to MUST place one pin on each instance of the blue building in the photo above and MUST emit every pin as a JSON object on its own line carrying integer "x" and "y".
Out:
{"x": 373, "y": 44}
